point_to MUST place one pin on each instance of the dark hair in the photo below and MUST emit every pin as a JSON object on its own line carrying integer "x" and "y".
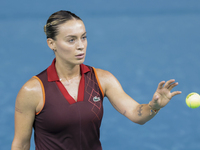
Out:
{"x": 57, "y": 18}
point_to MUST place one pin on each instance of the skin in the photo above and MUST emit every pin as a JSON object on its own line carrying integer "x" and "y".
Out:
{"x": 70, "y": 50}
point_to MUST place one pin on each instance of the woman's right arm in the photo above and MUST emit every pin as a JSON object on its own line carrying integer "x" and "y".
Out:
{"x": 27, "y": 103}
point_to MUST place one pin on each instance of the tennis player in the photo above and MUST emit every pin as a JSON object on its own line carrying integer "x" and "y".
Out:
{"x": 64, "y": 103}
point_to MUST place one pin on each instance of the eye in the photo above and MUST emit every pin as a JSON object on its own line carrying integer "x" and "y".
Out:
{"x": 71, "y": 40}
{"x": 84, "y": 37}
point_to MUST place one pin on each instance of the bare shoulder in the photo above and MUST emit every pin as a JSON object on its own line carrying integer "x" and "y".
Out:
{"x": 107, "y": 80}
{"x": 103, "y": 73}
{"x": 29, "y": 95}
{"x": 32, "y": 86}
{"x": 104, "y": 76}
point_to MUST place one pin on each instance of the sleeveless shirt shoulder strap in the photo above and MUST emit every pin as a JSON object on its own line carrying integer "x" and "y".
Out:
{"x": 98, "y": 81}
{"x": 38, "y": 77}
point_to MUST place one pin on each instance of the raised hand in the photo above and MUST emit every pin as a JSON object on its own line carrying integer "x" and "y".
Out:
{"x": 163, "y": 94}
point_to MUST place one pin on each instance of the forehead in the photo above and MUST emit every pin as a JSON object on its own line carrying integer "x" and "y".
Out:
{"x": 71, "y": 27}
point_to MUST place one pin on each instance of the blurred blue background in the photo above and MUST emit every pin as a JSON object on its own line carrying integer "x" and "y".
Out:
{"x": 141, "y": 42}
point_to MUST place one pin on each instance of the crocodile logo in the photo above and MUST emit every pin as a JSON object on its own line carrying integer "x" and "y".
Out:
{"x": 96, "y": 99}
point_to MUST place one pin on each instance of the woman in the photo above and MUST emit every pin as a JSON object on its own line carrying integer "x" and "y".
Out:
{"x": 64, "y": 102}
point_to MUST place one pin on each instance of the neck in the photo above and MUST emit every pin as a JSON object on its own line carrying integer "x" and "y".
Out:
{"x": 66, "y": 71}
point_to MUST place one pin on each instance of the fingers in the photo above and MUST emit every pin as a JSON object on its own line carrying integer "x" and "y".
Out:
{"x": 160, "y": 85}
{"x": 175, "y": 93}
{"x": 170, "y": 84}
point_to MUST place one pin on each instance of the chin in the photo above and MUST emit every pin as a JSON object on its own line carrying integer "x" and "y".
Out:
{"x": 80, "y": 61}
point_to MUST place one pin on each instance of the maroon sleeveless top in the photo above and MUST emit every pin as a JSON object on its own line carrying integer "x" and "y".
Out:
{"x": 63, "y": 123}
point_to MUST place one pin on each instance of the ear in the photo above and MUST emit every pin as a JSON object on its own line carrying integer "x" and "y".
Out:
{"x": 51, "y": 43}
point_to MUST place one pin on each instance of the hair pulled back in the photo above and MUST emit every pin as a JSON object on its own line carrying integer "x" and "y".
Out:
{"x": 56, "y": 19}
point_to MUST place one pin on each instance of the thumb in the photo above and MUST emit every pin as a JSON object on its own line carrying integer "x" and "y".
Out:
{"x": 155, "y": 99}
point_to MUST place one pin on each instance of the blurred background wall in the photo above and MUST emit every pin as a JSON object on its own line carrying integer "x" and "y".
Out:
{"x": 141, "y": 42}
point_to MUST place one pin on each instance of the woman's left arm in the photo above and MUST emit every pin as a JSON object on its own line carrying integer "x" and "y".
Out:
{"x": 123, "y": 103}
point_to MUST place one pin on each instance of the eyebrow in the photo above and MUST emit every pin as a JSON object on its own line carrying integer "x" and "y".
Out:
{"x": 75, "y": 36}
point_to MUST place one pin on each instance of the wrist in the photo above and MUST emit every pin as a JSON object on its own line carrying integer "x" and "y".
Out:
{"x": 155, "y": 110}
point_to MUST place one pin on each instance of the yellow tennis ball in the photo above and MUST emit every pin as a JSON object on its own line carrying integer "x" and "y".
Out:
{"x": 193, "y": 100}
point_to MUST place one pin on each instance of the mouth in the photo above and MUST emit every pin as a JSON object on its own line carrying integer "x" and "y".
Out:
{"x": 80, "y": 56}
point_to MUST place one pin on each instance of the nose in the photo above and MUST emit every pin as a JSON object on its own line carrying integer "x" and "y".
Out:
{"x": 80, "y": 45}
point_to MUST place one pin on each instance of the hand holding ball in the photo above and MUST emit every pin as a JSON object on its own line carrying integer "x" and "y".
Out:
{"x": 193, "y": 100}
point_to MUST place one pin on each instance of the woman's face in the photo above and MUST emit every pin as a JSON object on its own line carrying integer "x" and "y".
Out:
{"x": 71, "y": 42}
